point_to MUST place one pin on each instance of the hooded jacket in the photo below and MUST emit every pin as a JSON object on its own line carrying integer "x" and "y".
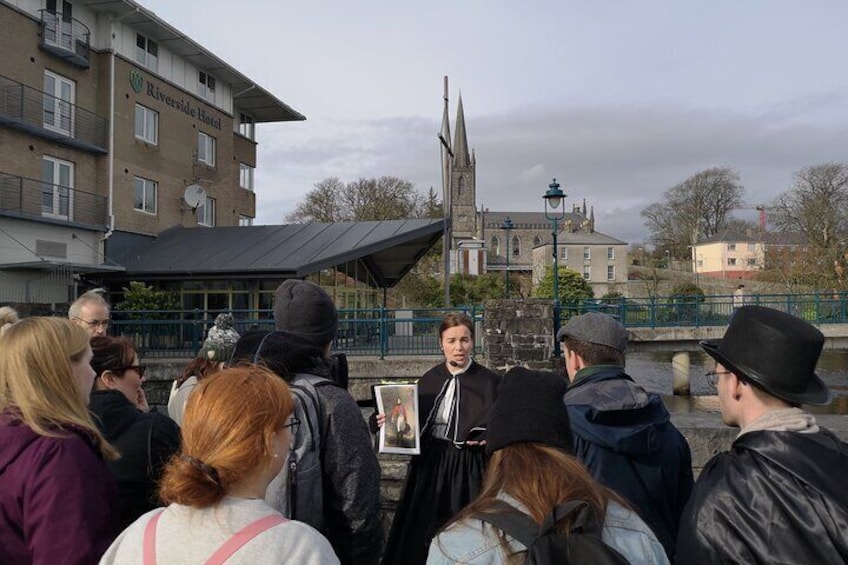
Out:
{"x": 146, "y": 442}
{"x": 58, "y": 502}
{"x": 624, "y": 436}
{"x": 799, "y": 512}
{"x": 352, "y": 512}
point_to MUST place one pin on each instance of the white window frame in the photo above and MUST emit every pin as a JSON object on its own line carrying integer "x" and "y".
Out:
{"x": 149, "y": 121}
{"x": 731, "y": 261}
{"x": 610, "y": 253}
{"x": 246, "y": 126}
{"x": 206, "y": 145}
{"x": 206, "y": 86}
{"x": 58, "y": 29}
{"x": 54, "y": 191}
{"x": 610, "y": 272}
{"x": 59, "y": 99}
{"x": 587, "y": 253}
{"x": 731, "y": 247}
{"x": 245, "y": 221}
{"x": 147, "y": 187}
{"x": 148, "y": 54}
{"x": 752, "y": 262}
{"x": 246, "y": 176}
{"x": 587, "y": 272}
{"x": 206, "y": 213}
{"x": 563, "y": 253}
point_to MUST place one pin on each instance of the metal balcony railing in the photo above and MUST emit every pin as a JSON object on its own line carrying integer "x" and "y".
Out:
{"x": 35, "y": 199}
{"x": 65, "y": 37}
{"x": 48, "y": 116}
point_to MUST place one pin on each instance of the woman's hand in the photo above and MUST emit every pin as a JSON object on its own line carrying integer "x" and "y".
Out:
{"x": 381, "y": 420}
{"x": 376, "y": 421}
{"x": 141, "y": 401}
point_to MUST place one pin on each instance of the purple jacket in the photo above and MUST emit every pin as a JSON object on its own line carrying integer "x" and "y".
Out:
{"x": 58, "y": 501}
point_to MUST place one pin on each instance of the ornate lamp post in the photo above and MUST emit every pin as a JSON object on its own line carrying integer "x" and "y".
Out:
{"x": 555, "y": 212}
{"x": 507, "y": 227}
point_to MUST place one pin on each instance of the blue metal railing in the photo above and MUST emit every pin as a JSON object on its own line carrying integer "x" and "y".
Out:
{"x": 385, "y": 332}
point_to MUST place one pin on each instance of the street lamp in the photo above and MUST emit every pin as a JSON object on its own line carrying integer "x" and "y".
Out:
{"x": 555, "y": 212}
{"x": 668, "y": 259}
{"x": 507, "y": 227}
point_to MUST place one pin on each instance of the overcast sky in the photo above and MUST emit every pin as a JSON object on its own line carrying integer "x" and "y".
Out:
{"x": 618, "y": 100}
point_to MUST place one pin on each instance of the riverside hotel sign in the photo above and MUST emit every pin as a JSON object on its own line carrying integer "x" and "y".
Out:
{"x": 179, "y": 104}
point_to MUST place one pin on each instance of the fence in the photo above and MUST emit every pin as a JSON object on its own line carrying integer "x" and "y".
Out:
{"x": 385, "y": 332}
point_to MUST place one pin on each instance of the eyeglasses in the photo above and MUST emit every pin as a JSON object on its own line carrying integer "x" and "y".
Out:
{"x": 94, "y": 323}
{"x": 712, "y": 377}
{"x": 294, "y": 425}
{"x": 140, "y": 369}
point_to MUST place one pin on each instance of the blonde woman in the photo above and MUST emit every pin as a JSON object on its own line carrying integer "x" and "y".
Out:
{"x": 8, "y": 316}
{"x": 236, "y": 435}
{"x": 58, "y": 501}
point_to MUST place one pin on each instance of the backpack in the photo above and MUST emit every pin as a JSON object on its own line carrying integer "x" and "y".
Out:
{"x": 297, "y": 491}
{"x": 544, "y": 545}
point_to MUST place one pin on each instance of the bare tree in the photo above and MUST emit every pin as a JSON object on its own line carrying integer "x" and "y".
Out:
{"x": 321, "y": 204}
{"x": 817, "y": 207}
{"x": 698, "y": 207}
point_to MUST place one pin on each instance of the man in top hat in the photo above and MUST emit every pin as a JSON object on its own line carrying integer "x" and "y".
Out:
{"x": 623, "y": 433}
{"x": 778, "y": 495}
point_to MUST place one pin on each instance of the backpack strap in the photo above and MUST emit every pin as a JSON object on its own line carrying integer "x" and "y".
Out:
{"x": 148, "y": 551}
{"x": 243, "y": 536}
{"x": 510, "y": 520}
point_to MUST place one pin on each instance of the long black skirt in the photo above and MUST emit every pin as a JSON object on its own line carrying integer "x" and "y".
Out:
{"x": 440, "y": 482}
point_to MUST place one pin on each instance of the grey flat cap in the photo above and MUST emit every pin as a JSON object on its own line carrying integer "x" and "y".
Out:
{"x": 594, "y": 327}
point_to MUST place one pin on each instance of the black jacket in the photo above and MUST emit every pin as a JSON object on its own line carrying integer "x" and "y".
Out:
{"x": 476, "y": 392}
{"x": 775, "y": 497}
{"x": 624, "y": 436}
{"x": 146, "y": 442}
{"x": 352, "y": 512}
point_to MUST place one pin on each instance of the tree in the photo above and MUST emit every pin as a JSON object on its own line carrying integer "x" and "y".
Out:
{"x": 365, "y": 199}
{"x": 698, "y": 207}
{"x": 572, "y": 287}
{"x": 817, "y": 208}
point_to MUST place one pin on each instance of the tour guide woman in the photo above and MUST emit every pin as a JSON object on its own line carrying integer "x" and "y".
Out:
{"x": 455, "y": 396}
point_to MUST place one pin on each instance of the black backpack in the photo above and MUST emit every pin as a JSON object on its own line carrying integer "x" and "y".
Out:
{"x": 547, "y": 546}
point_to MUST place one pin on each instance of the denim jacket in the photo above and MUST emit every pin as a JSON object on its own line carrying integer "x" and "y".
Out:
{"x": 472, "y": 541}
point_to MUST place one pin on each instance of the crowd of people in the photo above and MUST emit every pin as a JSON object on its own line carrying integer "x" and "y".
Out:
{"x": 265, "y": 457}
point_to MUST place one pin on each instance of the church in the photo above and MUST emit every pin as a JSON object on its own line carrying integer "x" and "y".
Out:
{"x": 481, "y": 242}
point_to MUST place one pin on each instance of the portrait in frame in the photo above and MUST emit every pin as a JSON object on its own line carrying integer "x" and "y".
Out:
{"x": 400, "y": 433}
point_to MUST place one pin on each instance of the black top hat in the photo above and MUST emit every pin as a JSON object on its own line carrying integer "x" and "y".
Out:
{"x": 774, "y": 350}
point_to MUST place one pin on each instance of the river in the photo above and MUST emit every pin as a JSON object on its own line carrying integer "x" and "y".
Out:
{"x": 653, "y": 371}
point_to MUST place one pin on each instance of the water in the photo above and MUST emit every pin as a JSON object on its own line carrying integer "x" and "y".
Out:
{"x": 653, "y": 371}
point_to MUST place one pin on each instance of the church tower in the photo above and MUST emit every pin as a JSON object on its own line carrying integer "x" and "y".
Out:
{"x": 463, "y": 180}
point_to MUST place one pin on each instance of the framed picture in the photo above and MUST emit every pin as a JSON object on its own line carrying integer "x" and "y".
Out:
{"x": 400, "y": 433}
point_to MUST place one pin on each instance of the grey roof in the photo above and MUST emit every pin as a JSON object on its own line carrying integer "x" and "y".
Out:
{"x": 247, "y": 95}
{"x": 384, "y": 251}
{"x": 538, "y": 220}
{"x": 588, "y": 238}
{"x": 769, "y": 238}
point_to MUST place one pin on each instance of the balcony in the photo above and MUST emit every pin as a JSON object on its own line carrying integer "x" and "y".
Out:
{"x": 42, "y": 114}
{"x": 65, "y": 37}
{"x": 37, "y": 200}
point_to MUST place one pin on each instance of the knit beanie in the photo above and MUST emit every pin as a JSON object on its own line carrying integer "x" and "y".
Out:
{"x": 530, "y": 409}
{"x": 221, "y": 339}
{"x": 305, "y": 309}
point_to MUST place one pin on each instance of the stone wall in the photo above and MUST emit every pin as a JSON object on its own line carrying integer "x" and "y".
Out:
{"x": 518, "y": 332}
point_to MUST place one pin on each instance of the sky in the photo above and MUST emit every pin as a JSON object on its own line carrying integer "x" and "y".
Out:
{"x": 618, "y": 100}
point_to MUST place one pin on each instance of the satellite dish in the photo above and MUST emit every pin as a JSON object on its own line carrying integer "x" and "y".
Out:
{"x": 194, "y": 195}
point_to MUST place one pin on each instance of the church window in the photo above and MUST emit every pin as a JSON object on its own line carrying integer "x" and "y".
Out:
{"x": 516, "y": 247}
{"x": 537, "y": 241}
{"x": 496, "y": 245}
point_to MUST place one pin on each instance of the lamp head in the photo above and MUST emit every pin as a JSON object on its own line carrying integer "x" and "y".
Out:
{"x": 554, "y": 197}
{"x": 507, "y": 224}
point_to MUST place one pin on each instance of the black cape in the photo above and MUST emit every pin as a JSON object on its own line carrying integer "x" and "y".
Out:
{"x": 775, "y": 497}
{"x": 447, "y": 475}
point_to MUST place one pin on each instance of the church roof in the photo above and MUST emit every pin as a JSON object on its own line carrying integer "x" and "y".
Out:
{"x": 538, "y": 221}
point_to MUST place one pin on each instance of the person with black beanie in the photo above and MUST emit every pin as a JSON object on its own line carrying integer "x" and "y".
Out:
{"x": 532, "y": 469}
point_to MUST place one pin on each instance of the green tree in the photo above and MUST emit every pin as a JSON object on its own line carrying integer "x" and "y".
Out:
{"x": 468, "y": 290}
{"x": 139, "y": 296}
{"x": 572, "y": 287}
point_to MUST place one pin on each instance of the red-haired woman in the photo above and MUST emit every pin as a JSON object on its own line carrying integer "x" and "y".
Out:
{"x": 454, "y": 401}
{"x": 236, "y": 434}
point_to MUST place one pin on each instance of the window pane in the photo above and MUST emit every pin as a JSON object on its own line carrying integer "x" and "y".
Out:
{"x": 138, "y": 201}
{"x": 150, "y": 197}
{"x": 139, "y": 121}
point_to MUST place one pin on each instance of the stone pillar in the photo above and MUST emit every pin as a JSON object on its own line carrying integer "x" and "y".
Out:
{"x": 680, "y": 373}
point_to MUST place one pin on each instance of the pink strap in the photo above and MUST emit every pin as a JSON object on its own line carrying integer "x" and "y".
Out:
{"x": 149, "y": 546}
{"x": 243, "y": 536}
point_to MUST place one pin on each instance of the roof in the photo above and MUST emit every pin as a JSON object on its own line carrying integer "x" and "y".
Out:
{"x": 769, "y": 238}
{"x": 376, "y": 253}
{"x": 538, "y": 220}
{"x": 247, "y": 95}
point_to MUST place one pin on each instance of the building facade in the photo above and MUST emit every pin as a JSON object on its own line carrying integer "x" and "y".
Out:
{"x": 115, "y": 127}
{"x": 480, "y": 242}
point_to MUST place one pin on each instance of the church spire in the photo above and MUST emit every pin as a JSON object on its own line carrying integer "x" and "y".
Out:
{"x": 460, "y": 141}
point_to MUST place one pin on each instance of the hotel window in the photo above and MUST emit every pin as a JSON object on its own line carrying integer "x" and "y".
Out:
{"x": 145, "y": 195}
{"x": 245, "y": 176}
{"x": 563, "y": 253}
{"x": 245, "y": 221}
{"x": 206, "y": 213}
{"x": 146, "y": 124}
{"x": 246, "y": 126}
{"x": 206, "y": 149}
{"x": 58, "y": 28}
{"x": 59, "y": 95}
{"x": 610, "y": 253}
{"x": 586, "y": 272}
{"x": 610, "y": 272}
{"x": 206, "y": 87}
{"x": 57, "y": 188}
{"x": 516, "y": 247}
{"x": 587, "y": 253}
{"x": 731, "y": 261}
{"x": 147, "y": 52}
